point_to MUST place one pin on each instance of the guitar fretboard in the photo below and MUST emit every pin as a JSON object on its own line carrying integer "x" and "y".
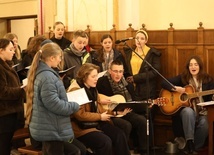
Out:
{"x": 203, "y": 93}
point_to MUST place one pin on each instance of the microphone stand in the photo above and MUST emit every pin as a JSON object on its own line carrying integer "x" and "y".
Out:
{"x": 147, "y": 93}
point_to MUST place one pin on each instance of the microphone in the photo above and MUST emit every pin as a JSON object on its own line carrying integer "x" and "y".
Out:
{"x": 123, "y": 40}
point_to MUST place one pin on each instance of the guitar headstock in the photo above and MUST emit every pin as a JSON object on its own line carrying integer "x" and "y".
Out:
{"x": 161, "y": 101}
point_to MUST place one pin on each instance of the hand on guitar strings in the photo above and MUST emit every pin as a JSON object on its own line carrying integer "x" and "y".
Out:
{"x": 179, "y": 89}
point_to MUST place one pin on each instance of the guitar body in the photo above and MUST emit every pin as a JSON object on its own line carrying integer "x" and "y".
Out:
{"x": 114, "y": 99}
{"x": 119, "y": 99}
{"x": 175, "y": 100}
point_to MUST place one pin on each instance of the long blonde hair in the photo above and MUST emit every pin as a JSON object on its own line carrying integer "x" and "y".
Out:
{"x": 11, "y": 36}
{"x": 48, "y": 50}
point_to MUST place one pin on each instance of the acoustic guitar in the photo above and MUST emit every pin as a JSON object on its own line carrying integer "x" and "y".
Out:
{"x": 176, "y": 100}
{"x": 119, "y": 99}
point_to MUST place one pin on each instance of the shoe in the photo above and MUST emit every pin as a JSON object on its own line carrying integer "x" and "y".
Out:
{"x": 140, "y": 151}
{"x": 190, "y": 148}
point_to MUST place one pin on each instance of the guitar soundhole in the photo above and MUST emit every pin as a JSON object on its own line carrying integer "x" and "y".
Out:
{"x": 184, "y": 97}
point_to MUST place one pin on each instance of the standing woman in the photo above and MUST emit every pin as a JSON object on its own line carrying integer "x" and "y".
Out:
{"x": 191, "y": 122}
{"x": 32, "y": 48}
{"x": 48, "y": 109}
{"x": 107, "y": 54}
{"x": 17, "y": 57}
{"x": 11, "y": 97}
{"x": 59, "y": 30}
{"x": 139, "y": 70}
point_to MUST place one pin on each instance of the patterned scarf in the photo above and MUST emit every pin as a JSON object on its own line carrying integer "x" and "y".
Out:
{"x": 120, "y": 87}
{"x": 108, "y": 57}
{"x": 198, "y": 88}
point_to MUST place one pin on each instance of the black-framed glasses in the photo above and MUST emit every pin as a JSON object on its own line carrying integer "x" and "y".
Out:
{"x": 117, "y": 71}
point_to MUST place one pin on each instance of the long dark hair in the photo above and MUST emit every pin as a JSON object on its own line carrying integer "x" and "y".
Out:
{"x": 100, "y": 53}
{"x": 202, "y": 75}
{"x": 4, "y": 43}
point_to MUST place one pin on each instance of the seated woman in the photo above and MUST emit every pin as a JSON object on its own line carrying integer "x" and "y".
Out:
{"x": 105, "y": 136}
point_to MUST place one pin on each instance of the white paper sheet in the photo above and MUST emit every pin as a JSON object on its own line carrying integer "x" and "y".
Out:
{"x": 78, "y": 96}
{"x": 206, "y": 103}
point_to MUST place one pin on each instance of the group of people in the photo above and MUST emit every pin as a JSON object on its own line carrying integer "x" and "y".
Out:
{"x": 55, "y": 124}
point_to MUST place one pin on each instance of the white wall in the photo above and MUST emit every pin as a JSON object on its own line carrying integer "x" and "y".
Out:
{"x": 77, "y": 14}
{"x": 24, "y": 29}
{"x": 96, "y": 13}
{"x": 184, "y": 14}
{"x": 10, "y": 8}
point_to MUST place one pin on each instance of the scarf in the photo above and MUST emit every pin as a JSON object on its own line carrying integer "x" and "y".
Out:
{"x": 76, "y": 52}
{"x": 198, "y": 88}
{"x": 108, "y": 58}
{"x": 120, "y": 87}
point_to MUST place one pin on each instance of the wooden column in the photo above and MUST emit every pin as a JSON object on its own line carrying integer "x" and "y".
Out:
{"x": 171, "y": 56}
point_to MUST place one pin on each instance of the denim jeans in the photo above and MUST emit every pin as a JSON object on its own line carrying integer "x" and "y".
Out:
{"x": 196, "y": 130}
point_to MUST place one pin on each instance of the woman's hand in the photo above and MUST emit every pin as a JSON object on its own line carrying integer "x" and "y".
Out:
{"x": 105, "y": 116}
{"x": 124, "y": 112}
{"x": 179, "y": 89}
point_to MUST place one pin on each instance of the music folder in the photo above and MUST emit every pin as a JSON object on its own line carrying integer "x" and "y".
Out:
{"x": 136, "y": 106}
{"x": 63, "y": 72}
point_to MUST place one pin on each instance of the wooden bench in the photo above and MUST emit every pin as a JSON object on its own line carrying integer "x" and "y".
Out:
{"x": 162, "y": 128}
{"x": 29, "y": 150}
{"x": 24, "y": 133}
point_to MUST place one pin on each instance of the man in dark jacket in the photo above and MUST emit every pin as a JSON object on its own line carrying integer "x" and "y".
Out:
{"x": 113, "y": 83}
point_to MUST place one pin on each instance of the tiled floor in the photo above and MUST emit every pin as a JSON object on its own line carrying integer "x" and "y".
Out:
{"x": 161, "y": 151}
{"x": 157, "y": 151}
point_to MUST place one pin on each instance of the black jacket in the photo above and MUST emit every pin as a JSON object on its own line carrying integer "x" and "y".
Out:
{"x": 153, "y": 58}
{"x": 104, "y": 87}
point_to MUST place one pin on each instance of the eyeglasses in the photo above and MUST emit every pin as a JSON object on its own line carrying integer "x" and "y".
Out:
{"x": 117, "y": 71}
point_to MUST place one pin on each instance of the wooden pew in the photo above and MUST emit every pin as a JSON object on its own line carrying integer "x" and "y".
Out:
{"x": 29, "y": 150}
{"x": 23, "y": 133}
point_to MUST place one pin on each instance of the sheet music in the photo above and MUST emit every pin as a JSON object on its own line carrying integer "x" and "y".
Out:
{"x": 101, "y": 74}
{"x": 15, "y": 65}
{"x": 28, "y": 67}
{"x": 24, "y": 83}
{"x": 78, "y": 96}
{"x": 64, "y": 71}
{"x": 206, "y": 103}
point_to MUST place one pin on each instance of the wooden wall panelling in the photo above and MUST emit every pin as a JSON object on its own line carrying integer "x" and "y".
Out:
{"x": 209, "y": 59}
{"x": 208, "y": 36}
{"x": 182, "y": 55}
{"x": 95, "y": 37}
{"x": 69, "y": 35}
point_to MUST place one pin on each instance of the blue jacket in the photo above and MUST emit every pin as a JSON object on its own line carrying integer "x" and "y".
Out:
{"x": 51, "y": 110}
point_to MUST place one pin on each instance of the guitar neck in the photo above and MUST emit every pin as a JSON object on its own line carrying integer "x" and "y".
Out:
{"x": 203, "y": 93}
